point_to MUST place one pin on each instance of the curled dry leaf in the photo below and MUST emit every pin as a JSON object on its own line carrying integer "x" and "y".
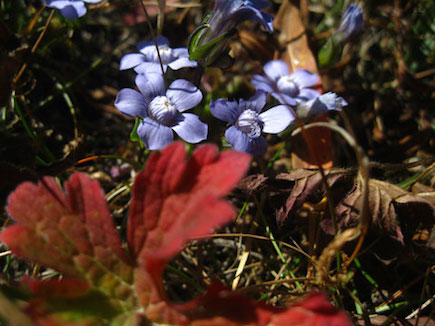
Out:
{"x": 395, "y": 213}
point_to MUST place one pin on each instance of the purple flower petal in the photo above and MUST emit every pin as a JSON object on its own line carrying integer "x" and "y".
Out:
{"x": 150, "y": 67}
{"x": 332, "y": 101}
{"x": 275, "y": 69}
{"x": 255, "y": 103}
{"x": 352, "y": 22}
{"x": 131, "y": 60}
{"x": 181, "y": 52}
{"x": 73, "y": 11}
{"x": 242, "y": 143}
{"x": 227, "y": 14}
{"x": 183, "y": 95}
{"x": 154, "y": 135}
{"x": 263, "y": 83}
{"x": 276, "y": 119}
{"x": 131, "y": 103}
{"x": 320, "y": 105}
{"x": 190, "y": 128}
{"x": 284, "y": 99}
{"x": 307, "y": 94}
{"x": 267, "y": 21}
{"x": 160, "y": 39}
{"x": 182, "y": 63}
{"x": 304, "y": 78}
{"x": 225, "y": 110}
{"x": 150, "y": 85}
{"x": 260, "y": 4}
{"x": 70, "y": 9}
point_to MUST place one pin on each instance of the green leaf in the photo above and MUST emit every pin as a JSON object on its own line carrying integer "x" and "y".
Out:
{"x": 134, "y": 136}
{"x": 330, "y": 53}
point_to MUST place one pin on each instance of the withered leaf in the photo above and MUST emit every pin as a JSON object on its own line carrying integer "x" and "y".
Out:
{"x": 395, "y": 213}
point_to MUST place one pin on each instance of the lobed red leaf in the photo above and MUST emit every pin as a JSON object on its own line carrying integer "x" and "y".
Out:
{"x": 175, "y": 201}
{"x": 73, "y": 233}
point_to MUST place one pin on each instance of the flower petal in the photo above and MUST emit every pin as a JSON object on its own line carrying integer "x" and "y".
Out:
{"x": 307, "y": 94}
{"x": 154, "y": 135}
{"x": 304, "y": 78}
{"x": 242, "y": 143}
{"x": 332, "y": 101}
{"x": 160, "y": 39}
{"x": 131, "y": 103}
{"x": 276, "y": 119}
{"x": 181, "y": 52}
{"x": 150, "y": 67}
{"x": 58, "y": 4}
{"x": 225, "y": 110}
{"x": 320, "y": 105}
{"x": 181, "y": 63}
{"x": 150, "y": 85}
{"x": 190, "y": 128}
{"x": 267, "y": 21}
{"x": 260, "y": 4}
{"x": 255, "y": 103}
{"x": 284, "y": 99}
{"x": 263, "y": 83}
{"x": 131, "y": 60}
{"x": 184, "y": 95}
{"x": 73, "y": 11}
{"x": 275, "y": 69}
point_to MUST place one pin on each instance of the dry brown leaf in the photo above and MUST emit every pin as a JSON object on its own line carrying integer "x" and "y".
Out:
{"x": 395, "y": 213}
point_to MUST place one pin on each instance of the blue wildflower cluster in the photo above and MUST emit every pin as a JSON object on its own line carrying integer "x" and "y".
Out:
{"x": 161, "y": 111}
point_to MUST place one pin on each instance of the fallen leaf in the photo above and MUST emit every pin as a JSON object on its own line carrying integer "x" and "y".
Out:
{"x": 395, "y": 213}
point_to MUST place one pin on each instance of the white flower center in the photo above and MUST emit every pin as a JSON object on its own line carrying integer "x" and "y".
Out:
{"x": 163, "y": 111}
{"x": 250, "y": 123}
{"x": 166, "y": 54}
{"x": 287, "y": 86}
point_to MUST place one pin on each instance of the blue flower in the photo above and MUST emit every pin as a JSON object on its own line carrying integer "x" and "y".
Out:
{"x": 248, "y": 124}
{"x": 148, "y": 61}
{"x": 210, "y": 39}
{"x": 286, "y": 88}
{"x": 227, "y": 14}
{"x": 352, "y": 22}
{"x": 70, "y": 9}
{"x": 162, "y": 111}
{"x": 315, "y": 107}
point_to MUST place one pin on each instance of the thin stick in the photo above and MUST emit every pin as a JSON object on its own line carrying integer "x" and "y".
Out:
{"x": 253, "y": 236}
{"x": 153, "y": 35}
{"x": 33, "y": 50}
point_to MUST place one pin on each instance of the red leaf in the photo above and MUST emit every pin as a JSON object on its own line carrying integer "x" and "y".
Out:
{"x": 174, "y": 201}
{"x": 55, "y": 288}
{"x": 220, "y": 306}
{"x": 313, "y": 310}
{"x": 73, "y": 234}
{"x": 168, "y": 178}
